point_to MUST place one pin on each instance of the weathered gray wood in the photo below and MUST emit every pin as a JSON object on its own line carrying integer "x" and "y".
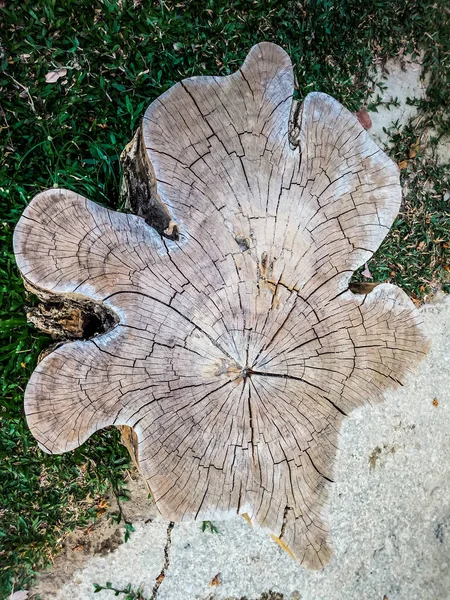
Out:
{"x": 239, "y": 348}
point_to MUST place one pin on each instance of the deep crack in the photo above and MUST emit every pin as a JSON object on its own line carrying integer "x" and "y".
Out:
{"x": 162, "y": 575}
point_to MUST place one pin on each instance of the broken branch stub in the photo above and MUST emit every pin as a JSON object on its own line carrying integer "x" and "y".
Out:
{"x": 238, "y": 348}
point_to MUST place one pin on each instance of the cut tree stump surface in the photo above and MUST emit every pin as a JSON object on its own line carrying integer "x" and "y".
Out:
{"x": 237, "y": 348}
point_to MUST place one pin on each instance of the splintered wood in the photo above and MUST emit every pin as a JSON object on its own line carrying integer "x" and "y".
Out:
{"x": 237, "y": 347}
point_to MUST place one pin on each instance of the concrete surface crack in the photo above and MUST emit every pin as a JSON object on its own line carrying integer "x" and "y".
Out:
{"x": 162, "y": 575}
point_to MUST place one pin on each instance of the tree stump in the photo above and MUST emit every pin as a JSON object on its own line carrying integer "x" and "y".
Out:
{"x": 235, "y": 347}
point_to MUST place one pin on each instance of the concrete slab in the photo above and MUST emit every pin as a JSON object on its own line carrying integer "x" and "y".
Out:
{"x": 389, "y": 515}
{"x": 402, "y": 81}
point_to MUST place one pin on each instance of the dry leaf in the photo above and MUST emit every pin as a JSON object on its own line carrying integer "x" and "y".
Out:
{"x": 403, "y": 164}
{"x": 414, "y": 148}
{"x": 216, "y": 580}
{"x": 362, "y": 287}
{"x": 20, "y": 595}
{"x": 102, "y": 503}
{"x": 435, "y": 402}
{"x": 53, "y": 76}
{"x": 366, "y": 273}
{"x": 97, "y": 14}
{"x": 364, "y": 118}
{"x": 78, "y": 548}
{"x": 421, "y": 246}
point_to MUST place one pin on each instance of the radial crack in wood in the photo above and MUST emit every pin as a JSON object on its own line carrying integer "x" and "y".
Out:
{"x": 239, "y": 347}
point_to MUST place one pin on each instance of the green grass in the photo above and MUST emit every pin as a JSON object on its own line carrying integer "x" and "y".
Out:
{"x": 128, "y": 592}
{"x": 119, "y": 56}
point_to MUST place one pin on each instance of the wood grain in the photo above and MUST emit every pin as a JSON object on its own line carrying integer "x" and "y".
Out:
{"x": 239, "y": 347}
